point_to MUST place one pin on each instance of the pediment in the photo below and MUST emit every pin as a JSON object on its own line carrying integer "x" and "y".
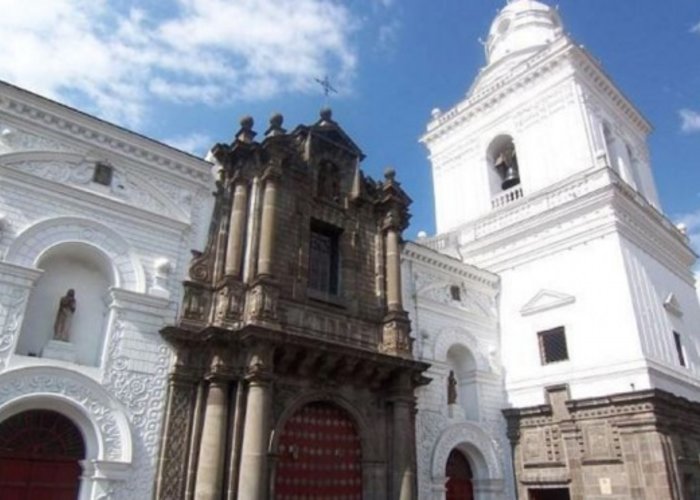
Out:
{"x": 672, "y": 305}
{"x": 545, "y": 300}
{"x": 128, "y": 186}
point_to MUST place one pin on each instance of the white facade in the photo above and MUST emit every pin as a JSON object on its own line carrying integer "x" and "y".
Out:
{"x": 124, "y": 248}
{"x": 579, "y": 242}
{"x": 453, "y": 307}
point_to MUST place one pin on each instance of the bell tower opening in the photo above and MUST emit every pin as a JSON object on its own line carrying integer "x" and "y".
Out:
{"x": 504, "y": 171}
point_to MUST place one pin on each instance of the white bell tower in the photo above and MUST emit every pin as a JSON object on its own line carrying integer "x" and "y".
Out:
{"x": 542, "y": 175}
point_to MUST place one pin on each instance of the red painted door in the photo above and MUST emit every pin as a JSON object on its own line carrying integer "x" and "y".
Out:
{"x": 320, "y": 455}
{"x": 459, "y": 477}
{"x": 39, "y": 454}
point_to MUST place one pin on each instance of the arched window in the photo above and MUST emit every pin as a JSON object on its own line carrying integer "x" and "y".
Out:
{"x": 66, "y": 313}
{"x": 504, "y": 171}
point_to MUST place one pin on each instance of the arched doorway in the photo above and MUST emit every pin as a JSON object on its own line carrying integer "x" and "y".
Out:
{"x": 39, "y": 457}
{"x": 459, "y": 477}
{"x": 320, "y": 455}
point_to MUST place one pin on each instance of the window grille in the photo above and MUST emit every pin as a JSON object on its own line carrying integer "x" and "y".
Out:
{"x": 553, "y": 346}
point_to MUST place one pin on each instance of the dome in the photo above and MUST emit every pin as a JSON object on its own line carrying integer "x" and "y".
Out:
{"x": 521, "y": 28}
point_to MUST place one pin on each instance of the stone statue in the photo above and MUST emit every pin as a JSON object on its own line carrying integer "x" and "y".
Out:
{"x": 64, "y": 317}
{"x": 451, "y": 389}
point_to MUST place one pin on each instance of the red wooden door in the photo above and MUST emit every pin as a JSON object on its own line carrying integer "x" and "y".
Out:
{"x": 459, "y": 477}
{"x": 320, "y": 455}
{"x": 39, "y": 453}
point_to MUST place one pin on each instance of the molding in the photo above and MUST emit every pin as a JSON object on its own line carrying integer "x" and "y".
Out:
{"x": 88, "y": 129}
{"x": 545, "y": 300}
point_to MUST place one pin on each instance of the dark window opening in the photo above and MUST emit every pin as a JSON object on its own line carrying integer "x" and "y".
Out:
{"x": 102, "y": 174}
{"x": 328, "y": 184}
{"x": 324, "y": 258}
{"x": 553, "y": 346}
{"x": 549, "y": 494}
{"x": 455, "y": 293}
{"x": 679, "y": 348}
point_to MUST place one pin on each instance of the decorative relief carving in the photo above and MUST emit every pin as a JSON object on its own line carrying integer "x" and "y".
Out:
{"x": 124, "y": 186}
{"x": 437, "y": 289}
{"x": 541, "y": 446}
{"x": 15, "y": 140}
{"x": 12, "y": 309}
{"x": 101, "y": 413}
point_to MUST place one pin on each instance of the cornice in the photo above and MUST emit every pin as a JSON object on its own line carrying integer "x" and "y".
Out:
{"x": 424, "y": 255}
{"x": 528, "y": 73}
{"x": 522, "y": 75}
{"x": 601, "y": 203}
{"x": 59, "y": 118}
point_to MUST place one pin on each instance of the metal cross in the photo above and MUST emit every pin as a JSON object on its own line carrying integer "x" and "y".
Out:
{"x": 327, "y": 87}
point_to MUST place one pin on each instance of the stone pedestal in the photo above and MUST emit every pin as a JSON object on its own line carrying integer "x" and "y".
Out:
{"x": 455, "y": 412}
{"x": 59, "y": 349}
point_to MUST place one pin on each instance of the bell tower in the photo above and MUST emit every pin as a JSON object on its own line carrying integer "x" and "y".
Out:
{"x": 542, "y": 175}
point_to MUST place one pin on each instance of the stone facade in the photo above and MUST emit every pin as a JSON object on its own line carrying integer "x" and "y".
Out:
{"x": 293, "y": 308}
{"x": 122, "y": 246}
{"x": 638, "y": 445}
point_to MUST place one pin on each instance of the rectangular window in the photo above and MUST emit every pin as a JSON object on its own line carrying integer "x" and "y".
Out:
{"x": 553, "y": 345}
{"x": 324, "y": 258}
{"x": 679, "y": 348}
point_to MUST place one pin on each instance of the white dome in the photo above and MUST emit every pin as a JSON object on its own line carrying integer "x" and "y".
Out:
{"x": 520, "y": 29}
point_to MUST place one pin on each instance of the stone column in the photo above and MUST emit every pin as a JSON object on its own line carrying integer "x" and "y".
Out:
{"x": 393, "y": 271}
{"x": 403, "y": 442}
{"x": 267, "y": 227}
{"x": 210, "y": 469}
{"x": 253, "y": 483}
{"x": 234, "y": 249}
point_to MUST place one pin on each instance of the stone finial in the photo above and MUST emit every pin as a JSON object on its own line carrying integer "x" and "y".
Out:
{"x": 326, "y": 115}
{"x": 246, "y": 133}
{"x": 389, "y": 174}
{"x": 275, "y": 127}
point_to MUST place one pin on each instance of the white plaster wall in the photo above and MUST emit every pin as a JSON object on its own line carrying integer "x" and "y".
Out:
{"x": 605, "y": 354}
{"x": 157, "y": 208}
{"x": 651, "y": 284}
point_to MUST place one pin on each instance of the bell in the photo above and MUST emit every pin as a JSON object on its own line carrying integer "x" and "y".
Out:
{"x": 511, "y": 177}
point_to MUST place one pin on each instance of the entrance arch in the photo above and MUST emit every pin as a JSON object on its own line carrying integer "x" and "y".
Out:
{"x": 459, "y": 477}
{"x": 40, "y": 453}
{"x": 319, "y": 454}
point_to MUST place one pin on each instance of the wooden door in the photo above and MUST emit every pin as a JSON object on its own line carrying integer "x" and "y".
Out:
{"x": 459, "y": 477}
{"x": 39, "y": 454}
{"x": 320, "y": 455}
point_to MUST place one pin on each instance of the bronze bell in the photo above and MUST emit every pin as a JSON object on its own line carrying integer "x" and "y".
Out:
{"x": 511, "y": 177}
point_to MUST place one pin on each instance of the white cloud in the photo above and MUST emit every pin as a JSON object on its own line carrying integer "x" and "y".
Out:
{"x": 695, "y": 29}
{"x": 204, "y": 51}
{"x": 690, "y": 120}
{"x": 195, "y": 143}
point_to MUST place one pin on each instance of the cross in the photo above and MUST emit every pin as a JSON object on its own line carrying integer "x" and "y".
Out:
{"x": 327, "y": 87}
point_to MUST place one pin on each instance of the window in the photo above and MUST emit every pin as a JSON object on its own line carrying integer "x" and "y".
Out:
{"x": 553, "y": 345}
{"x": 102, "y": 174}
{"x": 324, "y": 258}
{"x": 679, "y": 348}
{"x": 455, "y": 293}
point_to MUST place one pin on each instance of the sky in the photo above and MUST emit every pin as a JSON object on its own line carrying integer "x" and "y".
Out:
{"x": 185, "y": 71}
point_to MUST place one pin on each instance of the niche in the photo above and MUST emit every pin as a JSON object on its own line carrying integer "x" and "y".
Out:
{"x": 461, "y": 361}
{"x": 86, "y": 270}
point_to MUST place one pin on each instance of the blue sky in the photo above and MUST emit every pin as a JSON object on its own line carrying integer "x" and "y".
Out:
{"x": 185, "y": 71}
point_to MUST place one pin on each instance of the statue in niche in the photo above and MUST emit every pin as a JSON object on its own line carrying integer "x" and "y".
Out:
{"x": 451, "y": 389}
{"x": 64, "y": 317}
